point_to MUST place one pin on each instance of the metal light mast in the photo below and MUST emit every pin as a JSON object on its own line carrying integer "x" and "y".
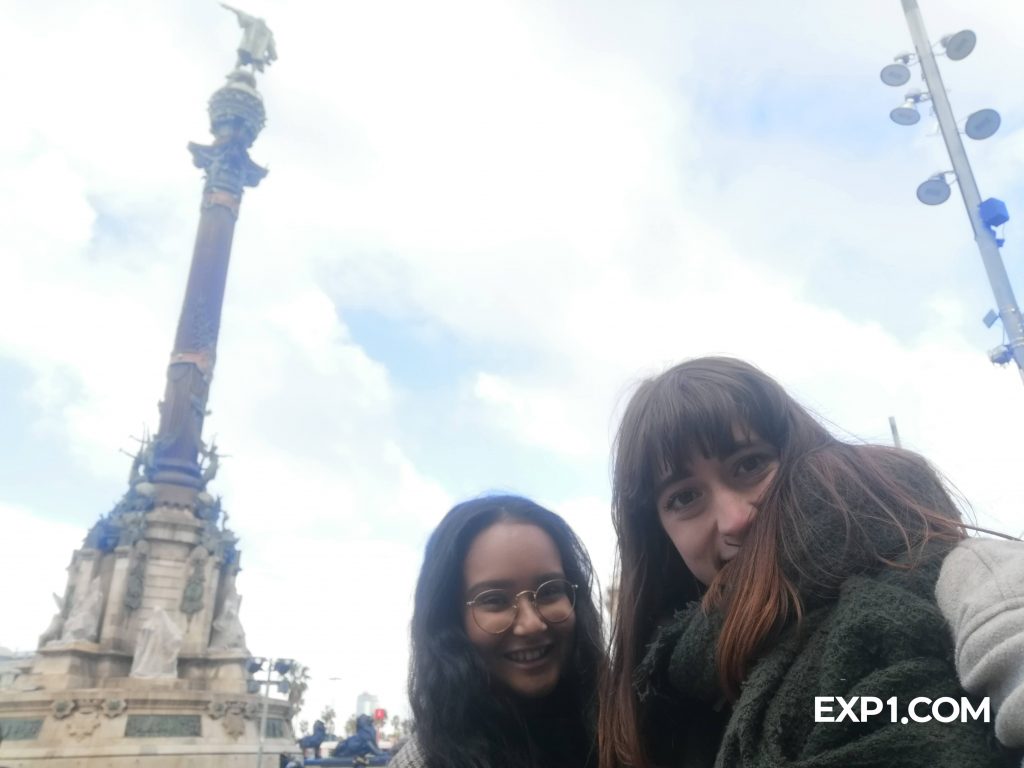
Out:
{"x": 984, "y": 215}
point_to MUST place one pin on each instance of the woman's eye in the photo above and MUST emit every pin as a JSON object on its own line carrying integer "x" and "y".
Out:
{"x": 681, "y": 499}
{"x": 553, "y": 592}
{"x": 752, "y": 464}
{"x": 493, "y": 602}
{"x": 749, "y": 464}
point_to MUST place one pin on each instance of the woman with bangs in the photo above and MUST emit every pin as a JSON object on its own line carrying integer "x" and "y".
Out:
{"x": 764, "y": 564}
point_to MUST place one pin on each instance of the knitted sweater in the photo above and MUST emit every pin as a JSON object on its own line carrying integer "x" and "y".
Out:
{"x": 883, "y": 636}
{"x": 409, "y": 756}
{"x": 981, "y": 592}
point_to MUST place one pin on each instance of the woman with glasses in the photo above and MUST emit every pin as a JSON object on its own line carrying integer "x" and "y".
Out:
{"x": 507, "y": 649}
{"x": 777, "y": 589}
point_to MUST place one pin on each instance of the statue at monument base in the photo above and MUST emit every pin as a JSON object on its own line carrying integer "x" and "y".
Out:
{"x": 156, "y": 651}
{"x": 110, "y": 682}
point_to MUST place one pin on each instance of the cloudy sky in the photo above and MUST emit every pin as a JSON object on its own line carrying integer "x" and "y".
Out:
{"x": 484, "y": 222}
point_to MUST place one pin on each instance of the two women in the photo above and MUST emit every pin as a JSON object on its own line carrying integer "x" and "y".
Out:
{"x": 765, "y": 565}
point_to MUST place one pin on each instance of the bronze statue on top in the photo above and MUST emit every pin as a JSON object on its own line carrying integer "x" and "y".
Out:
{"x": 257, "y": 46}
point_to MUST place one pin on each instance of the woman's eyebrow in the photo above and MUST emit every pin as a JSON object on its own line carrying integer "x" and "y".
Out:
{"x": 677, "y": 475}
{"x": 490, "y": 584}
{"x": 483, "y": 586}
{"x": 744, "y": 445}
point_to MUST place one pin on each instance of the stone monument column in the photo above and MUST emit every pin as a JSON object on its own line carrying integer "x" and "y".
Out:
{"x": 236, "y": 118}
{"x": 145, "y": 659}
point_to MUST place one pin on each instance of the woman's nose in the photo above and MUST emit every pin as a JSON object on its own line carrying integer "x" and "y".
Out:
{"x": 528, "y": 620}
{"x": 733, "y": 513}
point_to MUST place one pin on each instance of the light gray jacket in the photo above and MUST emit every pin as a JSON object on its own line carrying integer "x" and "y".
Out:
{"x": 981, "y": 593}
{"x": 409, "y": 756}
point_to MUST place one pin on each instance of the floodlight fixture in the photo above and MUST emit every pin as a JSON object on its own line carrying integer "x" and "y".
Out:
{"x": 906, "y": 114}
{"x": 960, "y": 45}
{"x": 934, "y": 191}
{"x": 898, "y": 73}
{"x": 990, "y": 318}
{"x": 254, "y": 665}
{"x": 983, "y": 124}
{"x": 283, "y": 666}
{"x": 895, "y": 74}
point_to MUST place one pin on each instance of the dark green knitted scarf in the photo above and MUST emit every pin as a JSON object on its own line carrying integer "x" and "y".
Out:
{"x": 880, "y": 635}
{"x": 868, "y": 630}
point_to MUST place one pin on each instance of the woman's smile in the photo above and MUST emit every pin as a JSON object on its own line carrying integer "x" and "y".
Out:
{"x": 529, "y": 656}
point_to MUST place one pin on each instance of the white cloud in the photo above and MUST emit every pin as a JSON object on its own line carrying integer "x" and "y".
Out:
{"x": 35, "y": 554}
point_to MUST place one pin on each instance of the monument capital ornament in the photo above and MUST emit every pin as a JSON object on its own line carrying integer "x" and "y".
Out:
{"x": 229, "y": 168}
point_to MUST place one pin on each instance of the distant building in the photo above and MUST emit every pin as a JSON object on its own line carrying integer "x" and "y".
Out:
{"x": 366, "y": 703}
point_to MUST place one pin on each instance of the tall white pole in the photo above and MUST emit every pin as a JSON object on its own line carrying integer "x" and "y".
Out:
{"x": 1006, "y": 303}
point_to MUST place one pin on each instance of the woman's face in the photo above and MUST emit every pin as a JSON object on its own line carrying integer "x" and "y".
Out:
{"x": 528, "y": 658}
{"x": 706, "y": 506}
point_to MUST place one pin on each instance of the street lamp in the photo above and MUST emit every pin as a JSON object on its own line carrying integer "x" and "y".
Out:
{"x": 982, "y": 124}
{"x": 935, "y": 190}
{"x": 960, "y": 45}
{"x": 898, "y": 73}
{"x": 907, "y": 114}
{"x": 282, "y": 667}
{"x": 986, "y": 215}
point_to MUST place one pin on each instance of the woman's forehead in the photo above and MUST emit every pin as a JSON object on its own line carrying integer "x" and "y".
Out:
{"x": 677, "y": 456}
{"x": 511, "y": 552}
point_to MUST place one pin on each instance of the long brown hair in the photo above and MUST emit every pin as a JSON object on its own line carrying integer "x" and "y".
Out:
{"x": 869, "y": 506}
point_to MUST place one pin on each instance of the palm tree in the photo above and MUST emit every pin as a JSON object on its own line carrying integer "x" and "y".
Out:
{"x": 327, "y": 716}
{"x": 298, "y": 681}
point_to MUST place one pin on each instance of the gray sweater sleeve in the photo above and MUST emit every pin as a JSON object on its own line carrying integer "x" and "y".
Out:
{"x": 981, "y": 593}
{"x": 409, "y": 756}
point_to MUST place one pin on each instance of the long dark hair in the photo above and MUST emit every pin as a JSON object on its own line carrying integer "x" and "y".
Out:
{"x": 832, "y": 509}
{"x": 462, "y": 720}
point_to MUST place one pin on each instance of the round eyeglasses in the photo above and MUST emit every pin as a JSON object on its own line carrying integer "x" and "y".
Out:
{"x": 495, "y": 610}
